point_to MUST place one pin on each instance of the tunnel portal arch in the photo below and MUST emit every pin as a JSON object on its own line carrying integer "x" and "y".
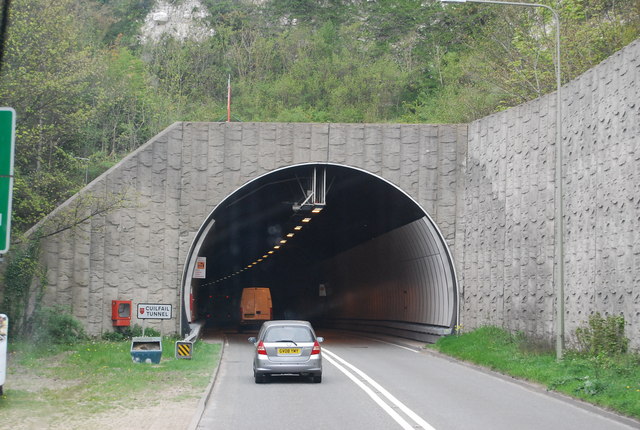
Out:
{"x": 371, "y": 259}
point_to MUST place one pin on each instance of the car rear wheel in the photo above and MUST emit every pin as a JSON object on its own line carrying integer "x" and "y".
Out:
{"x": 317, "y": 379}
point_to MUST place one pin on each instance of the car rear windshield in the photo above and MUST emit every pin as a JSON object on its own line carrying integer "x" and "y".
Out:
{"x": 290, "y": 333}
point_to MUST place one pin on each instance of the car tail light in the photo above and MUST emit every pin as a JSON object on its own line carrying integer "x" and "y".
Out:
{"x": 316, "y": 348}
{"x": 261, "y": 349}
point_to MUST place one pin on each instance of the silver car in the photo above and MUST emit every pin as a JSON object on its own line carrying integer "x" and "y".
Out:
{"x": 287, "y": 347}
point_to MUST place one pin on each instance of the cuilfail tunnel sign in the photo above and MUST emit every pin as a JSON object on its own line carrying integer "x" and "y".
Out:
{"x": 154, "y": 311}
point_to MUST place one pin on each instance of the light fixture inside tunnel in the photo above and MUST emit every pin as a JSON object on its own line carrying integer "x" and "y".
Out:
{"x": 298, "y": 220}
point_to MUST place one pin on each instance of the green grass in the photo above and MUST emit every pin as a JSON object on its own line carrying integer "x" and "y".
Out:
{"x": 96, "y": 376}
{"x": 611, "y": 382}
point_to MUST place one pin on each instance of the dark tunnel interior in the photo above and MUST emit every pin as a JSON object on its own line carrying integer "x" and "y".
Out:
{"x": 240, "y": 252}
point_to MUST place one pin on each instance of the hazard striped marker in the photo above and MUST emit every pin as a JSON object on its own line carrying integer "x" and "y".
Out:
{"x": 184, "y": 349}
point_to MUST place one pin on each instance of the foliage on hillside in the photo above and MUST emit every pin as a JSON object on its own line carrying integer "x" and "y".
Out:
{"x": 86, "y": 91}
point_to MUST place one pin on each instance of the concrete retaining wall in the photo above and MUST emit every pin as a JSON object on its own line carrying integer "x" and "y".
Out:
{"x": 507, "y": 267}
{"x": 173, "y": 182}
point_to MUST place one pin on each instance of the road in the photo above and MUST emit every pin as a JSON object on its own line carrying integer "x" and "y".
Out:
{"x": 374, "y": 384}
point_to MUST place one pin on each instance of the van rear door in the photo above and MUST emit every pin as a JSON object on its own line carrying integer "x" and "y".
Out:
{"x": 248, "y": 304}
{"x": 255, "y": 305}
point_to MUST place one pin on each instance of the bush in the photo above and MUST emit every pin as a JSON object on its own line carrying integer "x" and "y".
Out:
{"x": 56, "y": 326}
{"x": 603, "y": 336}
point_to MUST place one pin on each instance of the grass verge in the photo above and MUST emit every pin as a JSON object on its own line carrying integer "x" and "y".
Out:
{"x": 612, "y": 382}
{"x": 55, "y": 383}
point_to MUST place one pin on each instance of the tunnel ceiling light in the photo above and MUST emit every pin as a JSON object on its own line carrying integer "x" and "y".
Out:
{"x": 315, "y": 209}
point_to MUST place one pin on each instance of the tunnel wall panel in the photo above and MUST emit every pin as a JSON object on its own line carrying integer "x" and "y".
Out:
{"x": 398, "y": 277}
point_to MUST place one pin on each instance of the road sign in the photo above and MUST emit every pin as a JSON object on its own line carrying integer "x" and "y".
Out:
{"x": 184, "y": 349}
{"x": 154, "y": 311}
{"x": 200, "y": 271}
{"x": 7, "y": 143}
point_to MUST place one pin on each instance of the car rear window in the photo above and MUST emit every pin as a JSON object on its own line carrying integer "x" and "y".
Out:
{"x": 291, "y": 333}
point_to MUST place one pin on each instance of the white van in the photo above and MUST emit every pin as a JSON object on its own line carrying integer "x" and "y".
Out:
{"x": 255, "y": 306}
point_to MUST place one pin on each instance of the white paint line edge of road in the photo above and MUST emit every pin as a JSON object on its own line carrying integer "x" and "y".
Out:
{"x": 394, "y": 344}
{"x": 333, "y": 359}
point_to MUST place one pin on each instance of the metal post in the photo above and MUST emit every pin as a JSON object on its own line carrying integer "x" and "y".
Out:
{"x": 558, "y": 197}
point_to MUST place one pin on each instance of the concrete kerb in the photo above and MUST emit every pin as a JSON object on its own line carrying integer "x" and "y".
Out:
{"x": 197, "y": 416}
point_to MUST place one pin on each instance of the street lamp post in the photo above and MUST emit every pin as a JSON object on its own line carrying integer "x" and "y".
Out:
{"x": 86, "y": 168}
{"x": 558, "y": 214}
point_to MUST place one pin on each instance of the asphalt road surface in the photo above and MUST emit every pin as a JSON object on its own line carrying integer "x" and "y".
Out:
{"x": 384, "y": 384}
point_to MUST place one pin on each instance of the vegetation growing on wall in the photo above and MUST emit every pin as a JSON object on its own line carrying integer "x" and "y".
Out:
{"x": 24, "y": 280}
{"x": 24, "y": 286}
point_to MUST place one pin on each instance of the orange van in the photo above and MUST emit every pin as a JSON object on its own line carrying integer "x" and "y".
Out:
{"x": 255, "y": 306}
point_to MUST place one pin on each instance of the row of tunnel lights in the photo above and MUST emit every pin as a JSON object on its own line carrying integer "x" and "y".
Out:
{"x": 281, "y": 242}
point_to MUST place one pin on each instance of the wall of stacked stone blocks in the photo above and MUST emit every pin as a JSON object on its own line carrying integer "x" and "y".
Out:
{"x": 508, "y": 215}
{"x": 488, "y": 185}
{"x": 172, "y": 183}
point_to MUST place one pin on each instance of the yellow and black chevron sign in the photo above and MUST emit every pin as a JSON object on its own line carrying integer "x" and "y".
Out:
{"x": 184, "y": 349}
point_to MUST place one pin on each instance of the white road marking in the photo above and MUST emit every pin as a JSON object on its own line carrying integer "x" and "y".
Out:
{"x": 334, "y": 359}
{"x": 403, "y": 423}
{"x": 393, "y": 344}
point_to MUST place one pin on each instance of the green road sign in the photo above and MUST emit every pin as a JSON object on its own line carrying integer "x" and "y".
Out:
{"x": 7, "y": 143}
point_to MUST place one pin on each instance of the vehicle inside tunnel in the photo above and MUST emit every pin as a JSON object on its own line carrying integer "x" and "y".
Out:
{"x": 335, "y": 245}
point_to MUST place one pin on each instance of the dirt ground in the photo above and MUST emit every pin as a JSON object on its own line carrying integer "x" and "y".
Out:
{"x": 165, "y": 415}
{"x": 175, "y": 409}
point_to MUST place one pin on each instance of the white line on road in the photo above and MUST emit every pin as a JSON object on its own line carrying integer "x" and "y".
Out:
{"x": 393, "y": 344}
{"x": 334, "y": 359}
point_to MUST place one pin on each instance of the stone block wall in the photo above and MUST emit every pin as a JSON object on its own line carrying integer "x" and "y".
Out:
{"x": 507, "y": 266}
{"x": 172, "y": 183}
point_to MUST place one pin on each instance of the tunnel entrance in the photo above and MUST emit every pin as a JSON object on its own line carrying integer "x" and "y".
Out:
{"x": 336, "y": 245}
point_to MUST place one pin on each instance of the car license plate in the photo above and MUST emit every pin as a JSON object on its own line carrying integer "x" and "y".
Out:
{"x": 288, "y": 351}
